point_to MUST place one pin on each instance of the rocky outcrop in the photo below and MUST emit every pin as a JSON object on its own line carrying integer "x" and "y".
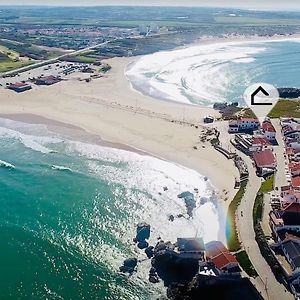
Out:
{"x": 129, "y": 265}
{"x": 149, "y": 251}
{"x": 289, "y": 93}
{"x": 189, "y": 200}
{"x": 142, "y": 232}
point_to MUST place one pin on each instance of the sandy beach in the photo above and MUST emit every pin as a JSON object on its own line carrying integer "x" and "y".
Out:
{"x": 110, "y": 108}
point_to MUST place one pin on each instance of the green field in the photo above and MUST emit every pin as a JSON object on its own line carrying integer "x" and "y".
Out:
{"x": 8, "y": 65}
{"x": 11, "y": 60}
{"x": 255, "y": 21}
{"x": 286, "y": 108}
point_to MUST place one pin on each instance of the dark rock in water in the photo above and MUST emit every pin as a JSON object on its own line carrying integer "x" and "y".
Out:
{"x": 219, "y": 105}
{"x": 189, "y": 200}
{"x": 180, "y": 216}
{"x": 161, "y": 245}
{"x": 152, "y": 271}
{"x": 171, "y": 218}
{"x": 143, "y": 244}
{"x": 129, "y": 265}
{"x": 154, "y": 278}
{"x": 149, "y": 251}
{"x": 203, "y": 200}
{"x": 185, "y": 194}
{"x": 289, "y": 93}
{"x": 165, "y": 188}
{"x": 142, "y": 232}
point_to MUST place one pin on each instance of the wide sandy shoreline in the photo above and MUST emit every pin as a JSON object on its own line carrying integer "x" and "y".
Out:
{"x": 108, "y": 107}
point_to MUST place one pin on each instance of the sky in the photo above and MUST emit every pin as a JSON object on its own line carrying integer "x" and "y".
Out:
{"x": 250, "y": 4}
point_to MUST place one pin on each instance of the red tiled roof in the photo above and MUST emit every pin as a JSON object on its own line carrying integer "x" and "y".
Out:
{"x": 50, "y": 77}
{"x": 292, "y": 207}
{"x": 290, "y": 237}
{"x": 290, "y": 151}
{"x": 17, "y": 84}
{"x": 214, "y": 248}
{"x": 224, "y": 259}
{"x": 294, "y": 166}
{"x": 285, "y": 188}
{"x": 267, "y": 126}
{"x": 286, "y": 128}
{"x": 264, "y": 158}
{"x": 296, "y": 181}
{"x": 260, "y": 141}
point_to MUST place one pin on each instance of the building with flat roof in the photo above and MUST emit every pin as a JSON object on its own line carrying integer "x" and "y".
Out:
{"x": 191, "y": 248}
{"x": 243, "y": 124}
{"x": 19, "y": 87}
{"x": 47, "y": 80}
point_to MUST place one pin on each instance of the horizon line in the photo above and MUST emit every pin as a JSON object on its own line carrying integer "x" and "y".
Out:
{"x": 154, "y": 5}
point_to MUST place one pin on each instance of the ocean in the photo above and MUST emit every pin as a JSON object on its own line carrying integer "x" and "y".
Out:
{"x": 218, "y": 72}
{"x": 69, "y": 210}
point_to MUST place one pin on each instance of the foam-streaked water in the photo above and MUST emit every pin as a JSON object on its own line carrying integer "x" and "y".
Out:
{"x": 209, "y": 73}
{"x": 69, "y": 210}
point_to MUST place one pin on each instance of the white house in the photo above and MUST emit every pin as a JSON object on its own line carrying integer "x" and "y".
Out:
{"x": 269, "y": 131}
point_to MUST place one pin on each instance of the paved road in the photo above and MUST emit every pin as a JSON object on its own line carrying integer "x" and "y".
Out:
{"x": 280, "y": 176}
{"x": 266, "y": 282}
{"x": 77, "y": 52}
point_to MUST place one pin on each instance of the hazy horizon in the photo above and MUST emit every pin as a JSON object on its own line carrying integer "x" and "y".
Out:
{"x": 253, "y": 4}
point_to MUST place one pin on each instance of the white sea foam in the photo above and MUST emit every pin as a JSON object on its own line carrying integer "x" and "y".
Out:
{"x": 144, "y": 175}
{"x": 37, "y": 143}
{"x": 60, "y": 168}
{"x": 6, "y": 164}
{"x": 198, "y": 74}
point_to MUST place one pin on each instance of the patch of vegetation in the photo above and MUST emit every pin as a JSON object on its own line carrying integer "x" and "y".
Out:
{"x": 258, "y": 207}
{"x": 286, "y": 108}
{"x": 9, "y": 65}
{"x": 268, "y": 185}
{"x": 85, "y": 59}
{"x": 244, "y": 261}
{"x": 265, "y": 187}
{"x": 233, "y": 242}
{"x": 254, "y": 20}
{"x": 267, "y": 254}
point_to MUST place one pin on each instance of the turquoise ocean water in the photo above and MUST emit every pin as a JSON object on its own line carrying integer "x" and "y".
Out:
{"x": 216, "y": 72}
{"x": 69, "y": 210}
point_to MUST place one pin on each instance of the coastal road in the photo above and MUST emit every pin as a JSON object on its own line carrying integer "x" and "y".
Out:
{"x": 280, "y": 176}
{"x": 73, "y": 53}
{"x": 266, "y": 283}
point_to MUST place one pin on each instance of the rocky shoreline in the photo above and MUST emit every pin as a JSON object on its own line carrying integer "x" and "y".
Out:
{"x": 186, "y": 267}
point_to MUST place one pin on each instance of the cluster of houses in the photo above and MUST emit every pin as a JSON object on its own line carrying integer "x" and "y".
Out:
{"x": 20, "y": 87}
{"x": 214, "y": 258}
{"x": 284, "y": 218}
{"x": 256, "y": 140}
